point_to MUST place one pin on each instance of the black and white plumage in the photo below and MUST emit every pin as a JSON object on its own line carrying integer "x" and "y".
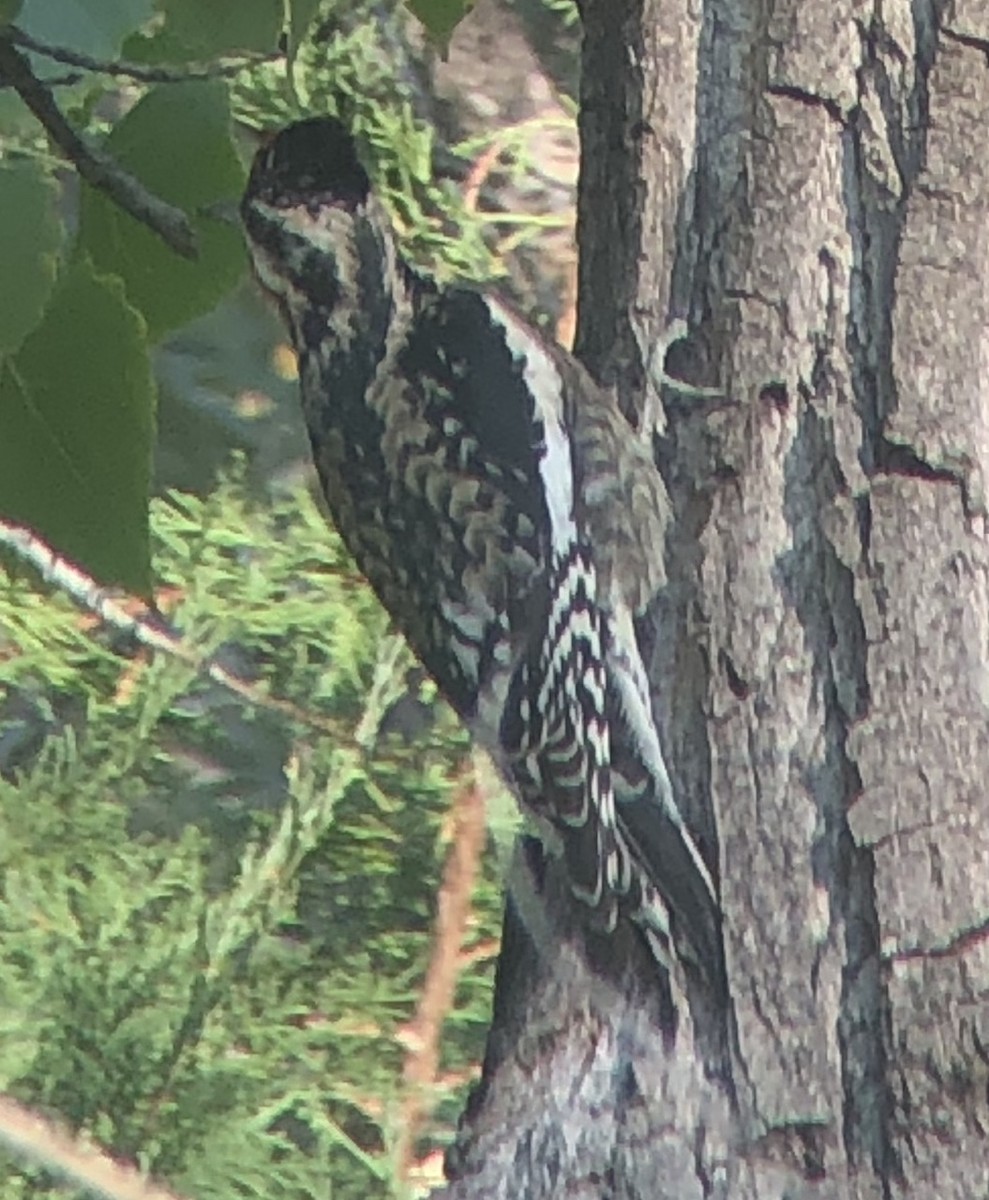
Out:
{"x": 506, "y": 515}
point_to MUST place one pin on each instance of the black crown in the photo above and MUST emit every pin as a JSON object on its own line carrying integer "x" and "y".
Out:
{"x": 315, "y": 160}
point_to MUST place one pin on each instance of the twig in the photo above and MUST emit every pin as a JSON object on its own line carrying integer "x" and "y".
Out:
{"x": 26, "y": 1135}
{"x": 97, "y": 168}
{"x": 146, "y": 627}
{"x": 496, "y": 145}
{"x": 566, "y": 322}
{"x": 481, "y": 168}
{"x": 53, "y": 81}
{"x": 452, "y": 913}
{"x": 138, "y": 71}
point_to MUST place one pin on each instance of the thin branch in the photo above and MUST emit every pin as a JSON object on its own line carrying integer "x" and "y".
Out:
{"x": 139, "y": 71}
{"x": 28, "y": 1136}
{"x": 147, "y": 627}
{"x": 97, "y": 168}
{"x": 453, "y": 909}
{"x": 53, "y": 81}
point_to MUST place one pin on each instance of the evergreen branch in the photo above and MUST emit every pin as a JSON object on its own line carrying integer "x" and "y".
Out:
{"x": 149, "y": 629}
{"x": 305, "y": 818}
{"x": 140, "y": 72}
{"x": 98, "y": 168}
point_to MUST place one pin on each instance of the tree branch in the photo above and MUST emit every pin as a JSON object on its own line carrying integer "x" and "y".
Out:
{"x": 146, "y": 626}
{"x": 422, "y": 1036}
{"x": 97, "y": 168}
{"x": 27, "y": 1135}
{"x": 134, "y": 70}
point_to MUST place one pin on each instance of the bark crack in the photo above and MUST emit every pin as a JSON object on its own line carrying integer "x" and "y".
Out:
{"x": 790, "y": 91}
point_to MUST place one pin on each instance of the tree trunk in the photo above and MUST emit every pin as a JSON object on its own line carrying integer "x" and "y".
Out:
{"x": 807, "y": 184}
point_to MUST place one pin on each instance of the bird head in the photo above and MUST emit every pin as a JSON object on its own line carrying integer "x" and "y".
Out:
{"x": 307, "y": 203}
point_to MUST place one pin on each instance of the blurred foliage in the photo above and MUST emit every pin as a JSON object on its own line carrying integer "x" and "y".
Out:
{"x": 215, "y": 914}
{"x": 215, "y": 917}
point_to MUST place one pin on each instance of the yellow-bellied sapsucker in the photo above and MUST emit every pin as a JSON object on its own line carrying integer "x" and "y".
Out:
{"x": 505, "y": 514}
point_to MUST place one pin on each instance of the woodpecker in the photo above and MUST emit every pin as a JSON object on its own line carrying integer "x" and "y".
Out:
{"x": 508, "y": 518}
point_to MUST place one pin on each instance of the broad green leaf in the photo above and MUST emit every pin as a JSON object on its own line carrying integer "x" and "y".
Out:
{"x": 176, "y": 140}
{"x": 76, "y": 429}
{"x": 440, "y": 17}
{"x": 30, "y": 239}
{"x": 210, "y": 28}
{"x": 155, "y": 46}
{"x": 96, "y": 27}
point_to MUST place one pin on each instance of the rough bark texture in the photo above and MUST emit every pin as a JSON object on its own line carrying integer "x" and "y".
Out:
{"x": 807, "y": 183}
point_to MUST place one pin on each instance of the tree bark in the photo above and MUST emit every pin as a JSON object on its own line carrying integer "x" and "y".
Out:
{"x": 807, "y": 185}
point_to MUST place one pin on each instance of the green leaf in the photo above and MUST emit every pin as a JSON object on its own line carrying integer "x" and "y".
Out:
{"x": 77, "y": 421}
{"x": 210, "y": 28}
{"x": 95, "y": 27}
{"x": 30, "y": 239}
{"x": 176, "y": 140}
{"x": 440, "y": 17}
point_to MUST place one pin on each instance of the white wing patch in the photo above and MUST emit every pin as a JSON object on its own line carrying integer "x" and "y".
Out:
{"x": 546, "y": 388}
